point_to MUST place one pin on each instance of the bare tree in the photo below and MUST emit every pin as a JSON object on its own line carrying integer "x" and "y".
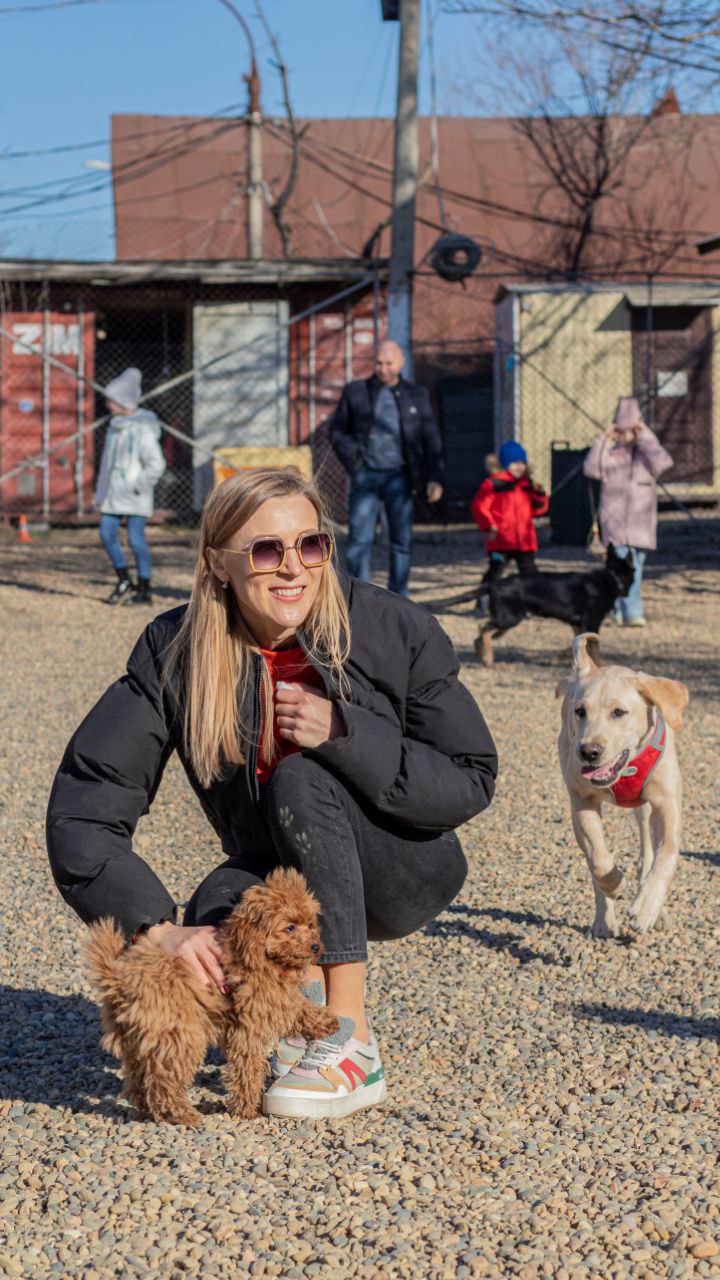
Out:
{"x": 584, "y": 156}
{"x": 591, "y": 129}
{"x": 680, "y": 35}
{"x": 279, "y": 205}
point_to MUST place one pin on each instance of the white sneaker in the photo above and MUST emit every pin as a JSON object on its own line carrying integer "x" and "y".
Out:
{"x": 286, "y": 1055}
{"x": 290, "y": 1049}
{"x": 335, "y": 1077}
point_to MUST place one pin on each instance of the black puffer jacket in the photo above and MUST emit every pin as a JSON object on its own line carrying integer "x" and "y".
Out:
{"x": 352, "y": 421}
{"x": 416, "y": 747}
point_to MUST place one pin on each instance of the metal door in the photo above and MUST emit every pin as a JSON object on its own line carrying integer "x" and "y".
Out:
{"x": 466, "y": 413}
{"x": 241, "y": 397}
{"x": 672, "y": 372}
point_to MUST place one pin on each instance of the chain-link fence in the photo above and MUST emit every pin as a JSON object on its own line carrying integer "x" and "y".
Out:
{"x": 237, "y": 377}
{"x": 564, "y": 356}
{"x": 245, "y": 375}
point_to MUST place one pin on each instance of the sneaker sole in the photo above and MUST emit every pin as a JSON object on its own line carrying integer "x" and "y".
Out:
{"x": 325, "y": 1109}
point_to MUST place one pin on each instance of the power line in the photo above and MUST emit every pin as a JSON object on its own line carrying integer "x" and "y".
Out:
{"x": 105, "y": 142}
{"x": 17, "y": 10}
{"x": 560, "y": 16}
{"x": 43, "y": 8}
{"x": 119, "y": 174}
{"x": 351, "y": 159}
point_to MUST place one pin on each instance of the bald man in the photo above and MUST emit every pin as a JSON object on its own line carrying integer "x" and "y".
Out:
{"x": 385, "y": 434}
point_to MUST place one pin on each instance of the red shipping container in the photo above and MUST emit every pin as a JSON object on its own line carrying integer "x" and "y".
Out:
{"x": 332, "y": 346}
{"x": 40, "y": 405}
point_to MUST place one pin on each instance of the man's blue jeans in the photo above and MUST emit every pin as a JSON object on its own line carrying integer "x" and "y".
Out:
{"x": 109, "y": 530}
{"x": 631, "y": 606}
{"x": 368, "y": 490}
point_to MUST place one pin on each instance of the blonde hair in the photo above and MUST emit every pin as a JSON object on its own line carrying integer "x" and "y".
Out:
{"x": 214, "y": 649}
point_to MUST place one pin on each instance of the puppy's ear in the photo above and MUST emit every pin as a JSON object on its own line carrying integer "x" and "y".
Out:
{"x": 246, "y": 928}
{"x": 670, "y": 696}
{"x": 585, "y": 653}
{"x": 562, "y": 686}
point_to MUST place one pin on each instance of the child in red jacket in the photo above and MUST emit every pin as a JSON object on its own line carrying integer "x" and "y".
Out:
{"x": 505, "y": 506}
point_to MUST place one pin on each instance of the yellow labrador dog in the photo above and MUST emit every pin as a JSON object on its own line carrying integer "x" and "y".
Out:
{"x": 617, "y": 746}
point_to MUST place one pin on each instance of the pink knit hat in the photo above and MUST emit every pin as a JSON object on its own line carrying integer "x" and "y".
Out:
{"x": 627, "y": 413}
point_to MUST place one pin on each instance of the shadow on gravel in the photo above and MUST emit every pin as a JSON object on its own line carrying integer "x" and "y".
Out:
{"x": 32, "y": 586}
{"x": 512, "y": 943}
{"x": 518, "y": 917}
{"x": 159, "y": 593}
{"x": 705, "y": 856}
{"x": 551, "y": 658}
{"x": 680, "y": 1025}
{"x": 50, "y": 1051}
{"x": 702, "y": 675}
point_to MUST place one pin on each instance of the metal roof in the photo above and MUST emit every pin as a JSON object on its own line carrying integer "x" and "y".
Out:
{"x": 673, "y": 295}
{"x": 228, "y": 271}
{"x": 685, "y": 293}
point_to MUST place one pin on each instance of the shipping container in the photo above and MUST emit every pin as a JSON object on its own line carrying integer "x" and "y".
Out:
{"x": 42, "y": 406}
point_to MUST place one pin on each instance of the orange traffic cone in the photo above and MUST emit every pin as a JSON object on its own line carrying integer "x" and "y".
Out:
{"x": 23, "y": 531}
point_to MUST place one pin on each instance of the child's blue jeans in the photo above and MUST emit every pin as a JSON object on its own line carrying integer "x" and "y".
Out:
{"x": 631, "y": 605}
{"x": 109, "y": 533}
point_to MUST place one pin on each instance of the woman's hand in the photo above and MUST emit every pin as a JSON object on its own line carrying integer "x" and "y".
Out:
{"x": 305, "y": 716}
{"x": 197, "y": 945}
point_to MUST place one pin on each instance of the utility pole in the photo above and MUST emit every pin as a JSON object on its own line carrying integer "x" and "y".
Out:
{"x": 254, "y": 179}
{"x": 254, "y": 166}
{"x": 405, "y": 173}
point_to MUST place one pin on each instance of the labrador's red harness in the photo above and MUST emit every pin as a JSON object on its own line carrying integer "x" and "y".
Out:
{"x": 628, "y": 790}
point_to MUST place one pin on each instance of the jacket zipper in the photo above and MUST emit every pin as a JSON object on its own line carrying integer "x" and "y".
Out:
{"x": 257, "y": 720}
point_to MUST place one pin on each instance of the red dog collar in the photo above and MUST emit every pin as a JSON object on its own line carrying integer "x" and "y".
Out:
{"x": 628, "y": 790}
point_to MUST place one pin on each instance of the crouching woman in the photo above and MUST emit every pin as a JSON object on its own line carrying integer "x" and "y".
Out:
{"x": 322, "y": 725}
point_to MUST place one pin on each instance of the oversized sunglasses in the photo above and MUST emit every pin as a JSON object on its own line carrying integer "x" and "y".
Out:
{"x": 267, "y": 555}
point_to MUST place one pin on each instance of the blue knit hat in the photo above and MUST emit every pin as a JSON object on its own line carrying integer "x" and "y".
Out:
{"x": 511, "y": 451}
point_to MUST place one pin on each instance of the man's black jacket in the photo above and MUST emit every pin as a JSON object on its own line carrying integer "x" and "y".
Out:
{"x": 416, "y": 747}
{"x": 352, "y": 421}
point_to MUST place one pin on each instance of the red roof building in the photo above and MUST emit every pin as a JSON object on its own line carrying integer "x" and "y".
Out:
{"x": 180, "y": 193}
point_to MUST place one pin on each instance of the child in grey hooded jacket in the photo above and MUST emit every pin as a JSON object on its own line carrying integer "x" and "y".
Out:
{"x": 130, "y": 467}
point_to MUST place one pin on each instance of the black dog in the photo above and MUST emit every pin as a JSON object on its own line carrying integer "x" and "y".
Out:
{"x": 581, "y": 599}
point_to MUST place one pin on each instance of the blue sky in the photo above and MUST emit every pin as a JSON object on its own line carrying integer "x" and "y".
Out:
{"x": 67, "y": 68}
{"x": 66, "y": 71}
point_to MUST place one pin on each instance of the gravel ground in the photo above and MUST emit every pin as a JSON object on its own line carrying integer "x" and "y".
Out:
{"x": 553, "y": 1102}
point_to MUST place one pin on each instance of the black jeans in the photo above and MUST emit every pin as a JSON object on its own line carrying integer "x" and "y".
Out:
{"x": 525, "y": 561}
{"x": 372, "y": 880}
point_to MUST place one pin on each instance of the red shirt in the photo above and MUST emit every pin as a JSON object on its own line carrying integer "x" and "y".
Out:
{"x": 292, "y": 666}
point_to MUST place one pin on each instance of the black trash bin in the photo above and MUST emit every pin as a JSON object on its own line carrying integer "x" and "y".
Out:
{"x": 571, "y": 514}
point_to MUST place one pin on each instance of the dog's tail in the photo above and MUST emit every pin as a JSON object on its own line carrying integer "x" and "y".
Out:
{"x": 102, "y": 952}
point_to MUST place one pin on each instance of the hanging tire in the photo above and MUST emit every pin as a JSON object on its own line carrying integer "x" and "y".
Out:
{"x": 455, "y": 256}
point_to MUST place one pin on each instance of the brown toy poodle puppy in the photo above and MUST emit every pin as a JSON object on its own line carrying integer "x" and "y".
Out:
{"x": 159, "y": 1019}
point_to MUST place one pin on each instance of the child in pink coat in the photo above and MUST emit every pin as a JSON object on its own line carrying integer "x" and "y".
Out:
{"x": 628, "y": 458}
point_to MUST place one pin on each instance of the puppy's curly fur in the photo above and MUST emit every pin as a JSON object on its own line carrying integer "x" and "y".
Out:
{"x": 159, "y": 1019}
